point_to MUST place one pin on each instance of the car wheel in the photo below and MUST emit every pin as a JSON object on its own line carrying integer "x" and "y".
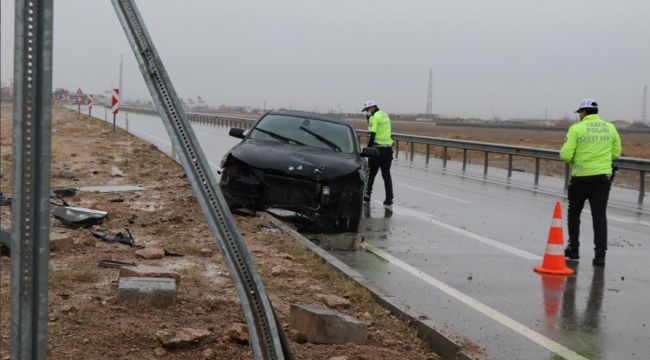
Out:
{"x": 350, "y": 215}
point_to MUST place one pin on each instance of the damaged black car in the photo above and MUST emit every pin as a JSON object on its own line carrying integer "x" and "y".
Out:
{"x": 306, "y": 163}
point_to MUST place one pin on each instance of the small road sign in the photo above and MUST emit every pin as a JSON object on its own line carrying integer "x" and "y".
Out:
{"x": 79, "y": 97}
{"x": 90, "y": 105}
{"x": 115, "y": 101}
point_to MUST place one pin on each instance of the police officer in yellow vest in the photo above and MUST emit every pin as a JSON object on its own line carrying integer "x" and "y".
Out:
{"x": 590, "y": 146}
{"x": 381, "y": 139}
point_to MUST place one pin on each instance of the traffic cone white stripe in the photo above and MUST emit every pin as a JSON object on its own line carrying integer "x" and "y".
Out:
{"x": 555, "y": 249}
{"x": 556, "y": 223}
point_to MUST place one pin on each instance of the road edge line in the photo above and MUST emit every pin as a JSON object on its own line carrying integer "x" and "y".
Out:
{"x": 442, "y": 344}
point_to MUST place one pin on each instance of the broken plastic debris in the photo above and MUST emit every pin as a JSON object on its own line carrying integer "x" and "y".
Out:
{"x": 115, "y": 263}
{"x": 110, "y": 188}
{"x": 79, "y": 217}
{"x": 119, "y": 237}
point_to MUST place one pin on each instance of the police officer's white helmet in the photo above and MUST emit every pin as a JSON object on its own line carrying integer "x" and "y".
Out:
{"x": 587, "y": 104}
{"x": 368, "y": 104}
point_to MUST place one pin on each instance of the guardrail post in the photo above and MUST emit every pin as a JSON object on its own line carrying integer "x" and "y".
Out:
{"x": 30, "y": 209}
{"x": 444, "y": 157}
{"x": 485, "y": 165}
{"x": 464, "y": 159}
{"x": 567, "y": 173}
{"x": 509, "y": 166}
{"x": 641, "y": 186}
{"x": 537, "y": 171}
{"x": 428, "y": 155}
{"x": 412, "y": 149}
{"x": 397, "y": 149}
{"x": 126, "y": 120}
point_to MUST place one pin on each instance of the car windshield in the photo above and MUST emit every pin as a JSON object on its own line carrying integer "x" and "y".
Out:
{"x": 305, "y": 131}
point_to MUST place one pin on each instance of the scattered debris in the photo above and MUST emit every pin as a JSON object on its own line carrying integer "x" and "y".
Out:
{"x": 66, "y": 174}
{"x": 61, "y": 242}
{"x": 151, "y": 253}
{"x": 172, "y": 253}
{"x": 5, "y": 242}
{"x": 4, "y": 201}
{"x": 115, "y": 263}
{"x": 183, "y": 338}
{"x": 238, "y": 332}
{"x": 206, "y": 252}
{"x": 119, "y": 237}
{"x": 63, "y": 192}
{"x": 335, "y": 301}
{"x": 110, "y": 188}
{"x": 79, "y": 217}
{"x": 68, "y": 309}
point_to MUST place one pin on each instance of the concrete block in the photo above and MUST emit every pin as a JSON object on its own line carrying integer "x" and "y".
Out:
{"x": 321, "y": 325}
{"x": 149, "y": 272}
{"x": 156, "y": 292}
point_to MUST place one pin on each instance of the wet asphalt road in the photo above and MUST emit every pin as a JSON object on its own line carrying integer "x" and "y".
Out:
{"x": 460, "y": 252}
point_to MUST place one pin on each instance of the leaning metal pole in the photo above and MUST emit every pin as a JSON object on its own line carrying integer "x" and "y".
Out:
{"x": 31, "y": 178}
{"x": 267, "y": 339}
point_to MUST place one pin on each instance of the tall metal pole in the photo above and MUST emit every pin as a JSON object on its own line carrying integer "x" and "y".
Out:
{"x": 121, "y": 93}
{"x": 430, "y": 93}
{"x": 32, "y": 130}
{"x": 644, "y": 111}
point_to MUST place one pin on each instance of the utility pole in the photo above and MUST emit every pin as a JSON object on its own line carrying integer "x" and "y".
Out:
{"x": 121, "y": 92}
{"x": 644, "y": 111}
{"x": 430, "y": 93}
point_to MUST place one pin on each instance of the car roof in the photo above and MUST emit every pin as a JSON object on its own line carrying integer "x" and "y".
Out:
{"x": 309, "y": 115}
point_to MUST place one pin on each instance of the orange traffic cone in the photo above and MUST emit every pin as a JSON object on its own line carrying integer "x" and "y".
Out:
{"x": 554, "y": 261}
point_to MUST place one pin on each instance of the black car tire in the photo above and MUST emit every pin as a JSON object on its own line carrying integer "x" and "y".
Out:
{"x": 350, "y": 215}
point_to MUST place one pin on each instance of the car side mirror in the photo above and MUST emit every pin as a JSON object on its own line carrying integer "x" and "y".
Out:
{"x": 369, "y": 152}
{"x": 237, "y": 132}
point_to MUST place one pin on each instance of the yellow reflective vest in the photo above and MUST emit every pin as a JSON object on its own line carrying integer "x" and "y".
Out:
{"x": 590, "y": 146}
{"x": 379, "y": 123}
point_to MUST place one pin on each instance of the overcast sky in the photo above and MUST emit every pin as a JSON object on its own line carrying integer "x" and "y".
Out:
{"x": 507, "y": 58}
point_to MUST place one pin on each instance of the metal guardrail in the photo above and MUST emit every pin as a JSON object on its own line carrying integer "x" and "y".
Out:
{"x": 623, "y": 163}
{"x": 32, "y": 129}
{"x": 267, "y": 338}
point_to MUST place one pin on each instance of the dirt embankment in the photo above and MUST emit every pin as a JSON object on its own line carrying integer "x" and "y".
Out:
{"x": 84, "y": 320}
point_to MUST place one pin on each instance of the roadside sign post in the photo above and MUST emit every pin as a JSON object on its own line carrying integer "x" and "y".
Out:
{"x": 90, "y": 105}
{"x": 115, "y": 105}
{"x": 79, "y": 99}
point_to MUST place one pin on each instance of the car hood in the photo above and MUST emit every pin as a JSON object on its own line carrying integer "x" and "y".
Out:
{"x": 295, "y": 160}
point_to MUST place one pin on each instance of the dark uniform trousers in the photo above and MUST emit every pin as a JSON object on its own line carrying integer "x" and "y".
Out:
{"x": 595, "y": 189}
{"x": 383, "y": 162}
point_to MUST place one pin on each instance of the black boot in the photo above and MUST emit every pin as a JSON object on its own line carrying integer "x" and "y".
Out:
{"x": 599, "y": 261}
{"x": 572, "y": 252}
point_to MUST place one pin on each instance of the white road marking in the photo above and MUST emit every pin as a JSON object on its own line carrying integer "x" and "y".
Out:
{"x": 499, "y": 245}
{"x": 503, "y": 319}
{"x": 434, "y": 193}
